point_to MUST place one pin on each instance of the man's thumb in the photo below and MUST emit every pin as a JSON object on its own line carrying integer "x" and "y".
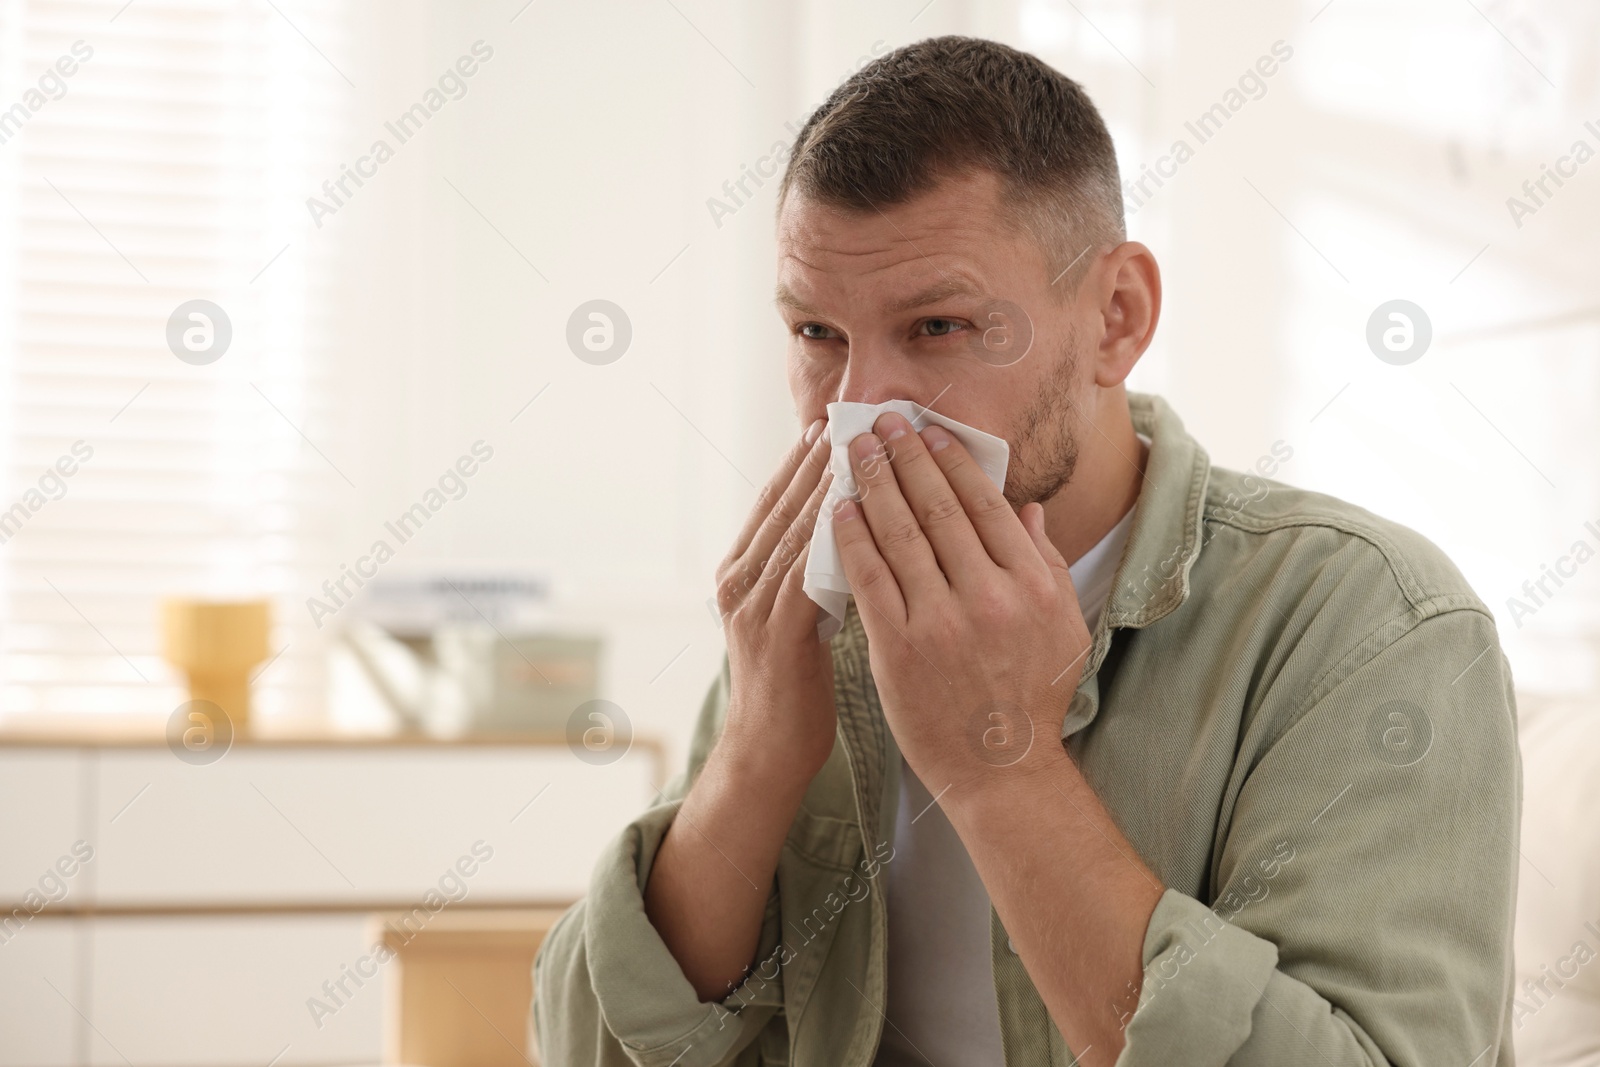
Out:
{"x": 1032, "y": 516}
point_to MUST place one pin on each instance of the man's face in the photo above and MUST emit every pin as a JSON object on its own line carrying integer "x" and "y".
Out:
{"x": 932, "y": 301}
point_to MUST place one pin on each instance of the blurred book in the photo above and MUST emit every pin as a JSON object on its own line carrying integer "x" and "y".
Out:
{"x": 453, "y": 653}
{"x": 415, "y": 603}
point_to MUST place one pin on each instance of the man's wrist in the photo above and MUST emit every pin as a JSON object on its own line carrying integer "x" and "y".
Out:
{"x": 753, "y": 766}
{"x": 991, "y": 753}
{"x": 981, "y": 790}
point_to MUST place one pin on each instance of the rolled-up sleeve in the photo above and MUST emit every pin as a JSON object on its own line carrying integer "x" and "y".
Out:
{"x": 1365, "y": 877}
{"x": 607, "y": 990}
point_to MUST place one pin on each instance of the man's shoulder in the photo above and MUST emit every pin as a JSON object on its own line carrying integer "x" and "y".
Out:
{"x": 1293, "y": 531}
{"x": 1323, "y": 588}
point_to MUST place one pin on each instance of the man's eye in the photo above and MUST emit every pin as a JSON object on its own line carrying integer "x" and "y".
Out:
{"x": 940, "y": 327}
{"x": 813, "y": 331}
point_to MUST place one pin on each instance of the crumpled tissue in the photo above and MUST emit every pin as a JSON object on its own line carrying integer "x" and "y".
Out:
{"x": 825, "y": 581}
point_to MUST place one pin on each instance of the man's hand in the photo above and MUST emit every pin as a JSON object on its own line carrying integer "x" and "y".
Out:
{"x": 977, "y": 644}
{"x": 708, "y": 889}
{"x": 780, "y": 708}
{"x": 977, "y": 640}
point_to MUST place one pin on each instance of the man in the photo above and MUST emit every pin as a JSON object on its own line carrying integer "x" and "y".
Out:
{"x": 1139, "y": 762}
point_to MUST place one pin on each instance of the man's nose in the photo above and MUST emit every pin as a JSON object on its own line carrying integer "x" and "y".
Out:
{"x": 872, "y": 376}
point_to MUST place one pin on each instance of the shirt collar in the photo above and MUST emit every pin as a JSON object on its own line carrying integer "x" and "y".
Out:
{"x": 1168, "y": 519}
{"x": 1168, "y": 532}
{"x": 1094, "y": 574}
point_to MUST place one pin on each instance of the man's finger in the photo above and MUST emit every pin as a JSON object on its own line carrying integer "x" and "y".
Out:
{"x": 771, "y": 496}
{"x": 938, "y": 511}
{"x": 985, "y": 504}
{"x": 873, "y": 583}
{"x": 790, "y": 552}
{"x": 899, "y": 538}
{"x": 1032, "y": 516}
{"x": 782, "y": 514}
{"x": 793, "y": 612}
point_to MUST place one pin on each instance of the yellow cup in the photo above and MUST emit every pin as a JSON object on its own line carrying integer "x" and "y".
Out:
{"x": 216, "y": 644}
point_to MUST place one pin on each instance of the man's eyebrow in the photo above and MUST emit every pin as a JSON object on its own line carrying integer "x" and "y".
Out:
{"x": 783, "y": 296}
{"x": 942, "y": 290}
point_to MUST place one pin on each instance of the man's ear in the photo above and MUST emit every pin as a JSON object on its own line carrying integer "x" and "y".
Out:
{"x": 1129, "y": 296}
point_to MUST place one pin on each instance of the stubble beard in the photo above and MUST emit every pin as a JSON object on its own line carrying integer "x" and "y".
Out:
{"x": 1045, "y": 451}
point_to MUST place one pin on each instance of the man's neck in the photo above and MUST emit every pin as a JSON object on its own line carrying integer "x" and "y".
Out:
{"x": 1106, "y": 480}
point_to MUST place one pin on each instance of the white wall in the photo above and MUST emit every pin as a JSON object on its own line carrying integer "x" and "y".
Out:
{"x": 592, "y": 152}
{"x": 594, "y": 137}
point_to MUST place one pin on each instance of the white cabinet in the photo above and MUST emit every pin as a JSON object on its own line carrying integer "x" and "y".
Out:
{"x": 315, "y": 825}
{"x": 41, "y": 794}
{"x": 220, "y": 898}
{"x": 39, "y": 969}
{"x": 182, "y": 991}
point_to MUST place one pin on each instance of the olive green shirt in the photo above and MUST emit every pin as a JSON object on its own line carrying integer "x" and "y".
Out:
{"x": 1299, "y": 715}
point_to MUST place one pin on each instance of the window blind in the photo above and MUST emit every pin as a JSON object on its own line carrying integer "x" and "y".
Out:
{"x": 170, "y": 165}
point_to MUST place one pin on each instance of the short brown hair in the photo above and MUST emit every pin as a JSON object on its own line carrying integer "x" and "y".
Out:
{"x": 948, "y": 104}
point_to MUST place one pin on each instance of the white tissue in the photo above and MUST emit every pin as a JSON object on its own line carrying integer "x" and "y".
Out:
{"x": 825, "y": 581}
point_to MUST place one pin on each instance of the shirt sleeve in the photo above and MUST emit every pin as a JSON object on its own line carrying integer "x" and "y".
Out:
{"x": 607, "y": 990}
{"x": 1367, "y": 876}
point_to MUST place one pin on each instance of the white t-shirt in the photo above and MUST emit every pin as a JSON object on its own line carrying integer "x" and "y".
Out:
{"x": 941, "y": 982}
